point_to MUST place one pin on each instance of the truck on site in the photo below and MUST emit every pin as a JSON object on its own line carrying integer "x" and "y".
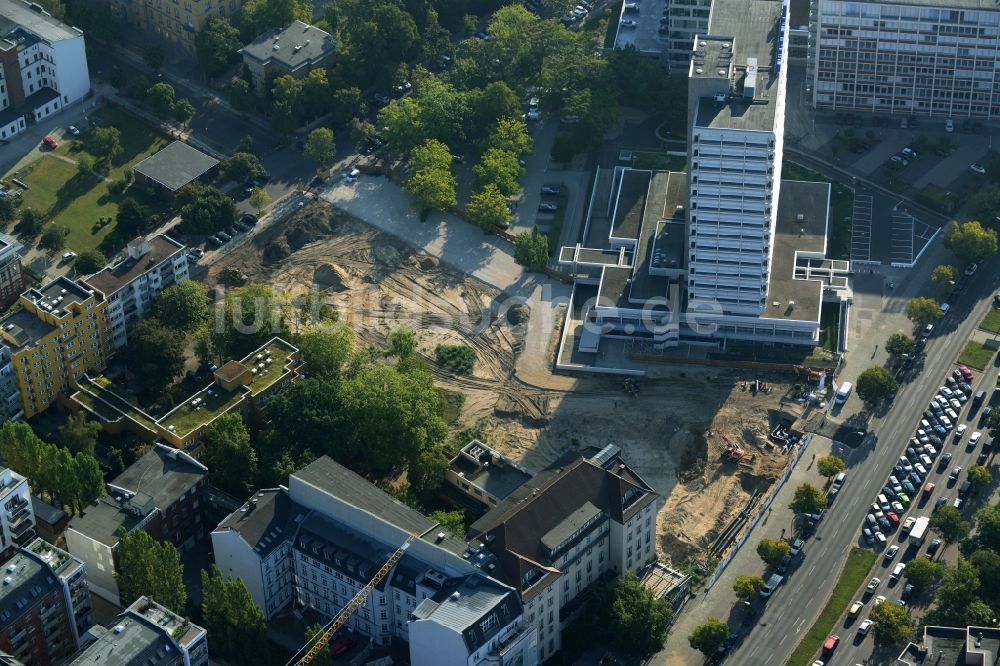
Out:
{"x": 919, "y": 531}
{"x": 843, "y": 392}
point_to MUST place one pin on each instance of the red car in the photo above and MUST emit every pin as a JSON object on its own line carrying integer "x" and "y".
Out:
{"x": 966, "y": 373}
{"x": 928, "y": 488}
{"x": 831, "y": 643}
{"x": 893, "y": 518}
{"x": 50, "y": 142}
{"x": 341, "y": 645}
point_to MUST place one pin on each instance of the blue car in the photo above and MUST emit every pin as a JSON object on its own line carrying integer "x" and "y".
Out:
{"x": 916, "y": 478}
{"x": 941, "y": 430}
{"x": 910, "y": 488}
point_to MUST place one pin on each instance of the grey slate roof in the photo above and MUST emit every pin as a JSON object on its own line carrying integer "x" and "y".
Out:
{"x": 341, "y": 548}
{"x": 30, "y": 575}
{"x": 176, "y": 165}
{"x": 273, "y": 519}
{"x": 466, "y": 604}
{"x": 163, "y": 474}
{"x": 291, "y": 48}
{"x": 16, "y": 13}
{"x": 328, "y": 475}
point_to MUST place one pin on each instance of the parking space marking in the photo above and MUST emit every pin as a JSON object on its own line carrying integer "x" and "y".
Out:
{"x": 903, "y": 229}
{"x": 861, "y": 228}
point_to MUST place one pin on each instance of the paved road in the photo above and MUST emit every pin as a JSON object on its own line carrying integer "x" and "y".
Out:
{"x": 795, "y": 606}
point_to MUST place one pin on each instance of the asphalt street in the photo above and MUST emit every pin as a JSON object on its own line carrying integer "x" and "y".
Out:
{"x": 795, "y": 606}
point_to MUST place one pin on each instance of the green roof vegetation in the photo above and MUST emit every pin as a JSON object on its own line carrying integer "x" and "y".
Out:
{"x": 108, "y": 392}
{"x": 272, "y": 371}
{"x": 101, "y": 409}
{"x": 212, "y": 402}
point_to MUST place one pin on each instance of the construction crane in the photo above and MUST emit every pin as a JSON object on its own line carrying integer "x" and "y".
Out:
{"x": 337, "y": 622}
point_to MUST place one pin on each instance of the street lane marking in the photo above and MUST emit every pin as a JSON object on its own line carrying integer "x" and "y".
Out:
{"x": 798, "y": 626}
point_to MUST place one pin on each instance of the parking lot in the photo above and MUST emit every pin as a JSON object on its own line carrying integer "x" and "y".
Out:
{"x": 861, "y": 227}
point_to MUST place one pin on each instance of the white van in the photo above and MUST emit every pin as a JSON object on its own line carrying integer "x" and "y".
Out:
{"x": 772, "y": 584}
{"x": 843, "y": 392}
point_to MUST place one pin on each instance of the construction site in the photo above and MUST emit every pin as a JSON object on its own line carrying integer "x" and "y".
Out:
{"x": 701, "y": 437}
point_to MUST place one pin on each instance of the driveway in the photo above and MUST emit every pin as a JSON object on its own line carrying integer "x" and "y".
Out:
{"x": 464, "y": 247}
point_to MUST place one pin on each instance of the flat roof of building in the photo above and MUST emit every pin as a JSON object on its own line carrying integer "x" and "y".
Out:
{"x": 751, "y": 27}
{"x": 465, "y": 603}
{"x": 176, "y": 165}
{"x": 27, "y": 578}
{"x": 645, "y": 35}
{"x": 164, "y": 474}
{"x": 488, "y": 470}
{"x": 291, "y": 48}
{"x": 630, "y": 203}
{"x": 23, "y": 328}
{"x": 113, "y": 277}
{"x": 31, "y": 17}
{"x": 788, "y": 297}
{"x": 101, "y": 521}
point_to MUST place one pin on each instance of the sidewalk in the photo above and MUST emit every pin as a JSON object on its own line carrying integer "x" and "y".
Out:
{"x": 720, "y": 602}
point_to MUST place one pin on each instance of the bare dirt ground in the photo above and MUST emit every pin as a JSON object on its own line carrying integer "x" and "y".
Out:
{"x": 672, "y": 432}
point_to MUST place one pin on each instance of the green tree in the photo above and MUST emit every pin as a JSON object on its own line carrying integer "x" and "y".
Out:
{"x": 160, "y": 98}
{"x": 31, "y": 222}
{"x": 431, "y": 180}
{"x": 347, "y": 103}
{"x": 155, "y": 353}
{"x": 451, "y": 521}
{"x": 326, "y": 348}
{"x": 892, "y": 623}
{"x": 117, "y": 77}
{"x": 183, "y": 307}
{"x": 54, "y": 238}
{"x": 209, "y": 211}
{"x": 922, "y": 310}
{"x": 89, "y": 480}
{"x": 251, "y": 316}
{"x": 632, "y": 617}
{"x": 709, "y": 636}
{"x": 229, "y": 456}
{"x": 362, "y": 131}
{"x": 153, "y": 55}
{"x": 987, "y": 564}
{"x": 957, "y": 596}
{"x": 89, "y": 261}
{"x": 132, "y": 218}
{"x": 899, "y": 344}
{"x": 772, "y": 551}
{"x": 944, "y": 274}
{"x": 136, "y": 88}
{"x": 243, "y": 167}
{"x": 402, "y": 124}
{"x": 151, "y": 568}
{"x": 257, "y": 16}
{"x": 970, "y": 241}
{"x": 511, "y": 135}
{"x": 241, "y": 96}
{"x": 808, "y": 499}
{"x": 246, "y": 145}
{"x": 426, "y": 473}
{"x": 104, "y": 143}
{"x": 313, "y": 632}
{"x": 746, "y": 587}
{"x": 85, "y": 164}
{"x": 488, "y": 209}
{"x": 78, "y": 434}
{"x": 216, "y": 45}
{"x": 531, "y": 249}
{"x": 922, "y": 573}
{"x": 500, "y": 168}
{"x": 993, "y": 423}
{"x": 874, "y": 384}
{"x": 402, "y": 343}
{"x": 259, "y": 199}
{"x": 987, "y": 525}
{"x": 979, "y": 476}
{"x": 234, "y": 621}
{"x": 563, "y": 148}
{"x": 8, "y": 208}
{"x": 320, "y": 147}
{"x": 948, "y": 522}
{"x": 830, "y": 466}
{"x": 183, "y": 110}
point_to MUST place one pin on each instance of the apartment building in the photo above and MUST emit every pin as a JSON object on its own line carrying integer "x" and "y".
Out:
{"x": 44, "y": 604}
{"x": 43, "y": 66}
{"x": 17, "y": 515}
{"x": 915, "y": 57}
{"x": 54, "y": 338}
{"x": 686, "y": 18}
{"x": 177, "y": 21}
{"x": 242, "y": 387}
{"x": 293, "y": 51}
{"x": 11, "y": 281}
{"x": 145, "y": 634}
{"x": 162, "y": 493}
{"x": 316, "y": 543}
{"x": 131, "y": 285}
{"x": 10, "y": 394}
{"x": 562, "y": 531}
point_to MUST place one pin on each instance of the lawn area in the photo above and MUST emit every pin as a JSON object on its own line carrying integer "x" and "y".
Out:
{"x": 214, "y": 401}
{"x": 855, "y": 572}
{"x": 975, "y": 355}
{"x": 991, "y": 322}
{"x": 77, "y": 201}
{"x": 829, "y": 326}
{"x": 841, "y": 207}
{"x": 659, "y": 161}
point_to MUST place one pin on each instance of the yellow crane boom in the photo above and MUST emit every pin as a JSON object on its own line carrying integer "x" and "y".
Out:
{"x": 337, "y": 622}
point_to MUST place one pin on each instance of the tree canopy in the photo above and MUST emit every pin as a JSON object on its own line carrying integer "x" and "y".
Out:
{"x": 155, "y": 353}
{"x": 149, "y": 567}
{"x": 531, "y": 249}
{"x": 235, "y": 623}
{"x": 830, "y": 466}
{"x": 949, "y": 523}
{"x": 89, "y": 261}
{"x": 488, "y": 208}
{"x": 874, "y": 384}
{"x": 217, "y": 45}
{"x": 922, "y": 573}
{"x": 231, "y": 460}
{"x": 922, "y": 310}
{"x": 243, "y": 167}
{"x": 209, "y": 211}
{"x": 431, "y": 180}
{"x": 979, "y": 476}
{"x": 183, "y": 306}
{"x": 320, "y": 147}
{"x": 709, "y": 636}
{"x": 808, "y": 499}
{"x": 944, "y": 274}
{"x": 251, "y": 316}
{"x": 892, "y": 623}
{"x": 772, "y": 551}
{"x": 78, "y": 434}
{"x": 326, "y": 348}
{"x": 970, "y": 241}
{"x": 745, "y": 587}
{"x": 899, "y": 343}
{"x": 634, "y": 620}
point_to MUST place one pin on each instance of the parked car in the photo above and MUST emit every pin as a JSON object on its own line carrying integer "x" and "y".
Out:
{"x": 550, "y": 189}
{"x": 978, "y": 168}
{"x": 547, "y": 207}
{"x": 865, "y": 627}
{"x": 50, "y": 142}
{"x": 932, "y": 549}
{"x": 73, "y": 130}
